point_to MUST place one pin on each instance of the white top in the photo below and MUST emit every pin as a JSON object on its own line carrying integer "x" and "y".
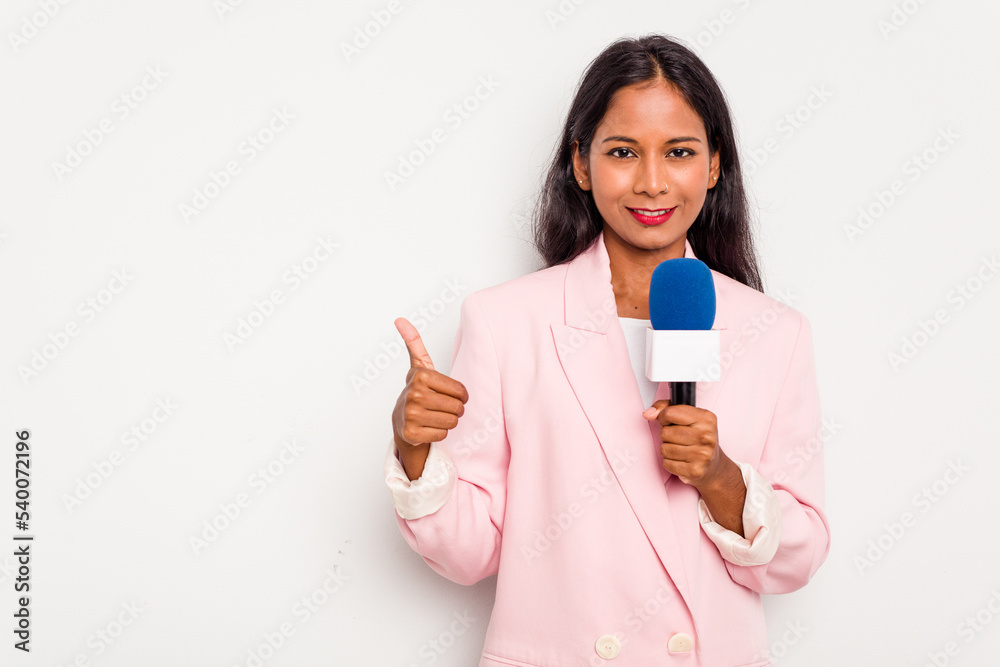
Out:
{"x": 761, "y": 511}
{"x": 635, "y": 340}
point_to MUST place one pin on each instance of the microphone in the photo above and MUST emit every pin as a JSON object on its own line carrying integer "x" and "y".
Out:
{"x": 681, "y": 346}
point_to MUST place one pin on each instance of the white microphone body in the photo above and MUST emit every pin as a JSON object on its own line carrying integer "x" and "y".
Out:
{"x": 683, "y": 355}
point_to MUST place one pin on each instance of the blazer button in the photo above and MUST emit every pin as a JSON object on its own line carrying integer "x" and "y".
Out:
{"x": 608, "y": 646}
{"x": 680, "y": 643}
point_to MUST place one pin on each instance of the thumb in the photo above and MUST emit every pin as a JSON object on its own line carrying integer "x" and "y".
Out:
{"x": 418, "y": 353}
{"x": 654, "y": 410}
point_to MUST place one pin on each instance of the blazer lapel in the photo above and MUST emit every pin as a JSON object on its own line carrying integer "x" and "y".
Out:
{"x": 592, "y": 349}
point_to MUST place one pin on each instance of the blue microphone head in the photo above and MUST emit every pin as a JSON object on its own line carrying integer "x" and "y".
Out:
{"x": 682, "y": 295}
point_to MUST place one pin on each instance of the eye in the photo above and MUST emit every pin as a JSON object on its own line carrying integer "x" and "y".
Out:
{"x": 676, "y": 152}
{"x": 613, "y": 152}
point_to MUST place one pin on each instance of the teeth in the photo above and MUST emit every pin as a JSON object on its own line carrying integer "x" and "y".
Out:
{"x": 653, "y": 214}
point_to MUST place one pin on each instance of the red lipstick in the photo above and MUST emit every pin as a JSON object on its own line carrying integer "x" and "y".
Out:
{"x": 650, "y": 220}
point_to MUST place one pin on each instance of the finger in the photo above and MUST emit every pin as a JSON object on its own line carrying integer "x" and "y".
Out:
{"x": 655, "y": 409}
{"x": 424, "y": 425}
{"x": 442, "y": 384}
{"x": 439, "y": 402}
{"x": 675, "y": 453}
{"x": 685, "y": 415}
{"x": 679, "y": 469}
{"x": 423, "y": 434}
{"x": 680, "y": 435}
{"x": 414, "y": 345}
{"x": 433, "y": 419}
{"x": 691, "y": 471}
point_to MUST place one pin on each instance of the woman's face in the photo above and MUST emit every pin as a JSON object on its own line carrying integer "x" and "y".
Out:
{"x": 649, "y": 153}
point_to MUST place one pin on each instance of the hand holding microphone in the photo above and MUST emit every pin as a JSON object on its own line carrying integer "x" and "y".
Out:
{"x": 427, "y": 408}
{"x": 690, "y": 442}
{"x": 681, "y": 348}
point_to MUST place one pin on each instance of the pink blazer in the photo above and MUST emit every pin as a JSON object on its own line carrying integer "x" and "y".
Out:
{"x": 561, "y": 493}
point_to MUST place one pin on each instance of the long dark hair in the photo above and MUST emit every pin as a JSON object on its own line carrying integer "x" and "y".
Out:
{"x": 566, "y": 219}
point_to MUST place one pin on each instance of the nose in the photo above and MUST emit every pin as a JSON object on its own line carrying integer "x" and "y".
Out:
{"x": 651, "y": 178}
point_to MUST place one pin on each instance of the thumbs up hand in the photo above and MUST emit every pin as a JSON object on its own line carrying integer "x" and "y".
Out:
{"x": 427, "y": 408}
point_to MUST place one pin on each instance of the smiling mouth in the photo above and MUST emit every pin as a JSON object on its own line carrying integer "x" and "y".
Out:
{"x": 651, "y": 217}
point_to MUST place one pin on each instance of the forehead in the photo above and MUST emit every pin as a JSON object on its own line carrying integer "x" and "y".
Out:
{"x": 641, "y": 110}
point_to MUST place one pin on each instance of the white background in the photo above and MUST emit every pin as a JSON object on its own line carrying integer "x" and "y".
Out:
{"x": 459, "y": 222}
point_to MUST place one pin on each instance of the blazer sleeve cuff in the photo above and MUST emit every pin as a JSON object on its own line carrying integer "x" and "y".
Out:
{"x": 426, "y": 494}
{"x": 761, "y": 523}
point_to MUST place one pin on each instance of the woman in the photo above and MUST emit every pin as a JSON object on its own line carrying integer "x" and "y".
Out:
{"x": 621, "y": 527}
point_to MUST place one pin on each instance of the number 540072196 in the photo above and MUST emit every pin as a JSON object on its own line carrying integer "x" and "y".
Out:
{"x": 22, "y": 480}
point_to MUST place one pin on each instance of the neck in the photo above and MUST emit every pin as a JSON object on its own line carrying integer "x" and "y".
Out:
{"x": 632, "y": 269}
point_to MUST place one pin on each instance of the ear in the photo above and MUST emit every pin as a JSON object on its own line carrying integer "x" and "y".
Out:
{"x": 714, "y": 170}
{"x": 580, "y": 168}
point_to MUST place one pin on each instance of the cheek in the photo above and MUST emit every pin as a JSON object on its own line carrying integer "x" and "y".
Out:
{"x": 692, "y": 176}
{"x": 614, "y": 184}
{"x": 607, "y": 191}
{"x": 692, "y": 182}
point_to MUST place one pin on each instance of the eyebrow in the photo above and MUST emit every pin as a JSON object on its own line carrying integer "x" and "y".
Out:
{"x": 630, "y": 140}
